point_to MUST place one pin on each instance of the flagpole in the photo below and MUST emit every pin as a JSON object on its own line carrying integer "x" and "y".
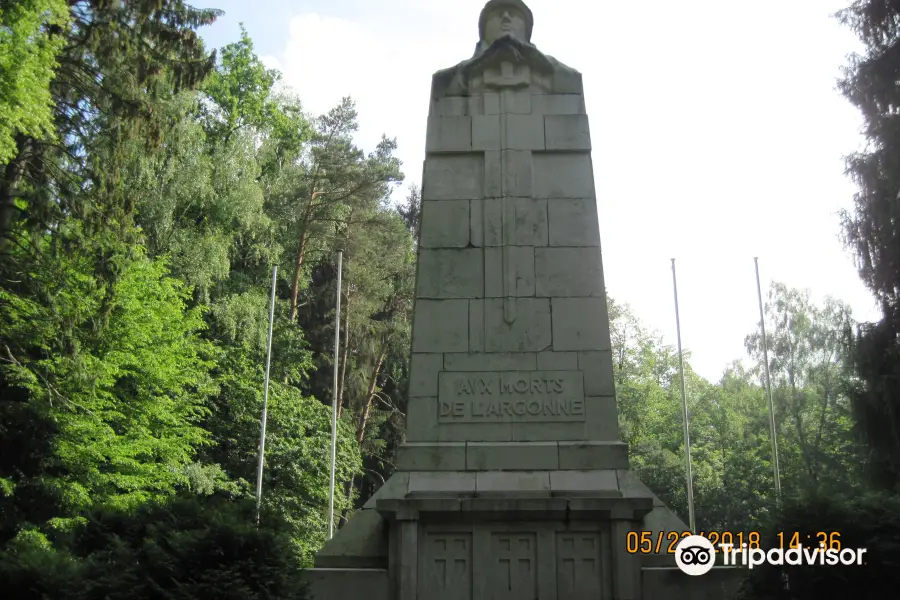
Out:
{"x": 684, "y": 408}
{"x": 334, "y": 394}
{"x": 765, "y": 347}
{"x": 262, "y": 433}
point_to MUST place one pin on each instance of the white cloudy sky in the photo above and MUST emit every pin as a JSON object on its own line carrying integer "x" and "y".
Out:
{"x": 717, "y": 132}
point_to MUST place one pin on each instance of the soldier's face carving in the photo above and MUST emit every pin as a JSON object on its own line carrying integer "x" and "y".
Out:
{"x": 504, "y": 21}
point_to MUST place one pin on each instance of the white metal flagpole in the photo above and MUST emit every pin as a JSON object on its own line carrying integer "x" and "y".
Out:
{"x": 684, "y": 408}
{"x": 334, "y": 394}
{"x": 262, "y": 433}
{"x": 765, "y": 347}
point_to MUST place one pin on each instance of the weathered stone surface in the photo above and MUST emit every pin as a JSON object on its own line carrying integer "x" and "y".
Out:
{"x": 422, "y": 420}
{"x": 517, "y": 481}
{"x": 486, "y": 132}
{"x": 573, "y": 222}
{"x": 582, "y": 481}
{"x": 511, "y": 177}
{"x": 445, "y": 224}
{"x": 602, "y": 418}
{"x": 453, "y": 106}
{"x": 395, "y": 487}
{"x": 364, "y": 545}
{"x": 598, "y": 373}
{"x": 557, "y": 361}
{"x": 441, "y": 326}
{"x": 530, "y": 332}
{"x": 580, "y": 324}
{"x": 500, "y": 361}
{"x": 431, "y": 456}
{"x": 453, "y": 177}
{"x": 563, "y": 175}
{"x": 340, "y": 584}
{"x": 568, "y": 272}
{"x": 567, "y": 132}
{"x": 524, "y": 132}
{"x": 531, "y": 227}
{"x": 423, "y": 374}
{"x": 449, "y": 134}
{"x": 557, "y": 104}
{"x": 452, "y": 273}
{"x": 444, "y": 481}
{"x": 520, "y": 259}
{"x": 476, "y": 325}
{"x": 580, "y": 455}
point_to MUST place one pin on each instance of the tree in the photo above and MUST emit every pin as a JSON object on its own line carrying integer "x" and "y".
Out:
{"x": 870, "y": 230}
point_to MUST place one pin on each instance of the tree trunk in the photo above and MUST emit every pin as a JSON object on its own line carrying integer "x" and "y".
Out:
{"x": 344, "y": 359}
{"x": 370, "y": 397}
{"x": 298, "y": 268}
{"x": 12, "y": 176}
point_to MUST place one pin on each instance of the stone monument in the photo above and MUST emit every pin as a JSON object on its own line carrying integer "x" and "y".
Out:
{"x": 513, "y": 482}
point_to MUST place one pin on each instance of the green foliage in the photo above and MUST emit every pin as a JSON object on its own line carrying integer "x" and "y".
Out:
{"x": 870, "y": 521}
{"x": 30, "y": 39}
{"x": 870, "y": 228}
{"x": 187, "y": 549}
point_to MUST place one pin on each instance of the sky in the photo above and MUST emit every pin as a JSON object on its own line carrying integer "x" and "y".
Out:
{"x": 718, "y": 133}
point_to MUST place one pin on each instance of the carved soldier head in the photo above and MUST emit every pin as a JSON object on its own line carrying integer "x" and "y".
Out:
{"x": 505, "y": 17}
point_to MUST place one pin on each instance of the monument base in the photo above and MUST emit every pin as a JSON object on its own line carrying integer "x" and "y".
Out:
{"x": 519, "y": 534}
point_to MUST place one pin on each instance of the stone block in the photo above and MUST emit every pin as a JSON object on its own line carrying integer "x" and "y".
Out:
{"x": 445, "y": 224}
{"x": 441, "y": 326}
{"x": 475, "y": 432}
{"x": 557, "y": 104}
{"x": 573, "y": 222}
{"x": 453, "y": 177}
{"x": 431, "y": 456}
{"x": 529, "y": 332}
{"x": 598, "y": 373}
{"x": 493, "y": 174}
{"x": 499, "y": 361}
{"x": 395, "y": 487}
{"x": 632, "y": 487}
{"x": 491, "y": 103}
{"x": 422, "y": 420}
{"x": 580, "y": 324}
{"x": 340, "y": 584}
{"x": 673, "y": 584}
{"x": 476, "y": 325}
{"x": 451, "y": 273}
{"x": 526, "y": 481}
{"x": 360, "y": 543}
{"x": 476, "y": 105}
{"x": 516, "y": 101}
{"x": 557, "y": 361}
{"x": 568, "y": 272}
{"x": 476, "y": 223}
{"x": 449, "y": 134}
{"x": 441, "y": 481}
{"x": 423, "y": 374}
{"x": 602, "y": 418}
{"x": 524, "y": 132}
{"x": 517, "y": 173}
{"x": 519, "y": 268}
{"x": 531, "y": 228}
{"x": 486, "y": 132}
{"x": 492, "y": 222}
{"x": 563, "y": 175}
{"x": 548, "y": 432}
{"x": 586, "y": 456}
{"x": 512, "y": 456}
{"x": 450, "y": 106}
{"x": 583, "y": 481}
{"x": 567, "y": 132}
{"x": 567, "y": 82}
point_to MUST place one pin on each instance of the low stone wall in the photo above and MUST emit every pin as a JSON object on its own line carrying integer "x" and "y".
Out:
{"x": 347, "y": 584}
{"x": 670, "y": 583}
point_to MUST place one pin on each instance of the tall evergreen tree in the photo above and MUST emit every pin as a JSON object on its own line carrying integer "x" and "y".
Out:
{"x": 871, "y": 227}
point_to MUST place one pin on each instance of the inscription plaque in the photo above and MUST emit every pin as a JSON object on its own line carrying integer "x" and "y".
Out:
{"x": 513, "y": 396}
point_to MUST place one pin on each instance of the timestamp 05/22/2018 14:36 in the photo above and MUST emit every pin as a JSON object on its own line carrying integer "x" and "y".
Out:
{"x": 657, "y": 542}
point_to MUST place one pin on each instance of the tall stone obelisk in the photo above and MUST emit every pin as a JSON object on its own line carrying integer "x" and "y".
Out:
{"x": 513, "y": 482}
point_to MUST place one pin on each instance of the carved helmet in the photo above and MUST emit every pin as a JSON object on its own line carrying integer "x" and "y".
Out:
{"x": 517, "y": 4}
